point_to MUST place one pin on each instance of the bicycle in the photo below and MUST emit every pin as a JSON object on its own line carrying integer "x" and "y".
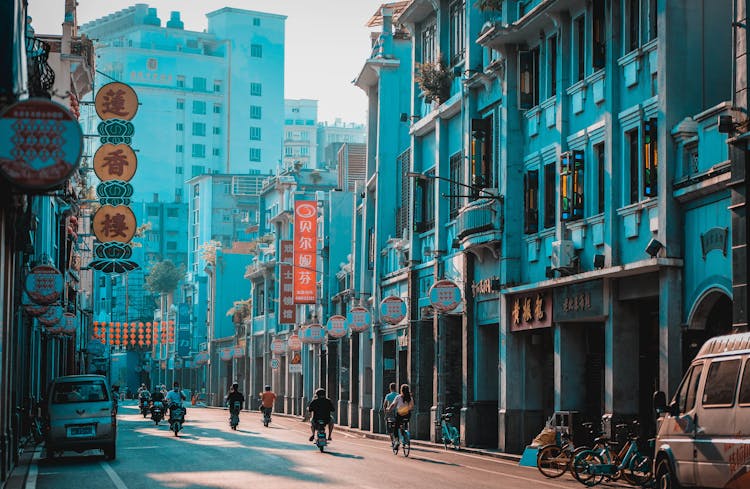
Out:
{"x": 449, "y": 433}
{"x": 35, "y": 423}
{"x": 556, "y": 459}
{"x": 403, "y": 439}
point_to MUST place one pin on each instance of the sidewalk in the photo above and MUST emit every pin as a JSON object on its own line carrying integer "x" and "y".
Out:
{"x": 20, "y": 473}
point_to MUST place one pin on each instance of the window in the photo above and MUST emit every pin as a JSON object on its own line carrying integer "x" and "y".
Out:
{"x": 256, "y": 89}
{"x": 599, "y": 157}
{"x": 180, "y": 81}
{"x": 256, "y": 51}
{"x": 653, "y": 28}
{"x": 552, "y": 66}
{"x": 571, "y": 185}
{"x": 255, "y": 133}
{"x": 180, "y": 104}
{"x": 217, "y": 130}
{"x": 217, "y": 108}
{"x": 632, "y": 140}
{"x": 304, "y": 151}
{"x": 531, "y": 202}
{"x": 178, "y": 170}
{"x": 152, "y": 211}
{"x": 598, "y": 36}
{"x": 288, "y": 151}
{"x": 254, "y": 154}
{"x": 721, "y": 383}
{"x": 402, "y": 213}
{"x": 371, "y": 248}
{"x": 529, "y": 78}
{"x": 745, "y": 385}
{"x": 424, "y": 202}
{"x": 256, "y": 22}
{"x": 255, "y": 111}
{"x": 171, "y": 245}
{"x": 180, "y": 126}
{"x": 632, "y": 19}
{"x": 179, "y": 148}
{"x": 216, "y": 152}
{"x": 550, "y": 195}
{"x": 304, "y": 136}
{"x": 217, "y": 86}
{"x": 199, "y": 129}
{"x": 482, "y": 173}
{"x": 197, "y": 170}
{"x": 579, "y": 38}
{"x": 429, "y": 44}
{"x": 199, "y": 151}
{"x": 199, "y": 107}
{"x": 455, "y": 189}
{"x": 199, "y": 84}
{"x": 458, "y": 27}
{"x": 687, "y": 392}
{"x": 650, "y": 158}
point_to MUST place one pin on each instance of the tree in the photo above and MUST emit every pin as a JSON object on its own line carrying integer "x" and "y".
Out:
{"x": 164, "y": 277}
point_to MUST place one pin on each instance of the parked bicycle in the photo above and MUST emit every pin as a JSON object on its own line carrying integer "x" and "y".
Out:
{"x": 556, "y": 459}
{"x": 35, "y": 420}
{"x": 449, "y": 433}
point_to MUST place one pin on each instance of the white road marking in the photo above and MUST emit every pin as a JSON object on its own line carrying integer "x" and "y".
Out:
{"x": 139, "y": 448}
{"x": 33, "y": 471}
{"x": 119, "y": 484}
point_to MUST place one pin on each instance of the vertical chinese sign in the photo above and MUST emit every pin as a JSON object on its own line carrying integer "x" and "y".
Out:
{"x": 287, "y": 310}
{"x": 305, "y": 248}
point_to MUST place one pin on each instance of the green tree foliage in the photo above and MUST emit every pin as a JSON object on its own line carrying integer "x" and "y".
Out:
{"x": 164, "y": 277}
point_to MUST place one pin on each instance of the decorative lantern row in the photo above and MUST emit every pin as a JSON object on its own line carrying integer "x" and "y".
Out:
{"x": 132, "y": 334}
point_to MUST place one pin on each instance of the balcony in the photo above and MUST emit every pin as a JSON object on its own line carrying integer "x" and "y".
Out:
{"x": 479, "y": 223}
{"x": 41, "y": 77}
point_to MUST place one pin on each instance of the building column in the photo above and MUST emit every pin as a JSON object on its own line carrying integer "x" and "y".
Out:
{"x": 354, "y": 380}
{"x": 377, "y": 424}
{"x": 510, "y": 422}
{"x": 670, "y": 329}
{"x": 621, "y": 353}
{"x": 365, "y": 377}
{"x": 343, "y": 381}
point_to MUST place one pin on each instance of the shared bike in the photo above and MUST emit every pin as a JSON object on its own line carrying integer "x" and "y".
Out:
{"x": 449, "y": 433}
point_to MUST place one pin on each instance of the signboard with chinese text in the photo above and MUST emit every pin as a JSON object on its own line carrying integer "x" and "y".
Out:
{"x": 295, "y": 363}
{"x": 530, "y": 310}
{"x": 714, "y": 239}
{"x": 115, "y": 162}
{"x": 305, "y": 249}
{"x": 337, "y": 327}
{"x": 445, "y": 295}
{"x": 359, "y": 319}
{"x": 70, "y": 323}
{"x": 40, "y": 144}
{"x": 579, "y": 302}
{"x": 274, "y": 364}
{"x": 287, "y": 309}
{"x": 293, "y": 343}
{"x": 226, "y": 354}
{"x": 238, "y": 352}
{"x": 44, "y": 285}
{"x": 392, "y": 310}
{"x": 312, "y": 334}
{"x": 114, "y": 223}
{"x": 277, "y": 346}
{"x": 116, "y": 101}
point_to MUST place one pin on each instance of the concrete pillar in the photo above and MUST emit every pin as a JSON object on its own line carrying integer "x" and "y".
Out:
{"x": 621, "y": 351}
{"x": 344, "y": 386}
{"x": 354, "y": 380}
{"x": 570, "y": 367}
{"x": 511, "y": 386}
{"x": 376, "y": 412}
{"x": 365, "y": 376}
{"x": 670, "y": 330}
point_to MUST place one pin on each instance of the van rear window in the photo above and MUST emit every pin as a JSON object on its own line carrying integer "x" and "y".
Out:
{"x": 745, "y": 385}
{"x": 721, "y": 383}
{"x": 81, "y": 391}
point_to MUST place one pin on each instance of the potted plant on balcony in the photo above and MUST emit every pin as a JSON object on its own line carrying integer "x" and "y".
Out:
{"x": 434, "y": 79}
{"x": 495, "y": 5}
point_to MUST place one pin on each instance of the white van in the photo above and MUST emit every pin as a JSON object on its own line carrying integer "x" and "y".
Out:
{"x": 703, "y": 439}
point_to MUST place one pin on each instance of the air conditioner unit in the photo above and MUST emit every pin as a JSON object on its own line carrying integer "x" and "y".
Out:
{"x": 563, "y": 254}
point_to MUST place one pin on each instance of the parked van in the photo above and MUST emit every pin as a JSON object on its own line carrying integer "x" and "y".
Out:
{"x": 80, "y": 415}
{"x": 703, "y": 438}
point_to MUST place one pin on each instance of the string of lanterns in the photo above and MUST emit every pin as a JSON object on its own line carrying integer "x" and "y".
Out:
{"x": 131, "y": 334}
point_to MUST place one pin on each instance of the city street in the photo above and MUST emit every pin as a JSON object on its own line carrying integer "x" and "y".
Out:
{"x": 208, "y": 454}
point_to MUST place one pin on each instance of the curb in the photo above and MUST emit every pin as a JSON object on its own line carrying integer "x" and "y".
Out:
{"x": 20, "y": 473}
{"x": 383, "y": 437}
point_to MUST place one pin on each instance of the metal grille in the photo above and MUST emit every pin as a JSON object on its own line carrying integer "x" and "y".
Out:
{"x": 41, "y": 76}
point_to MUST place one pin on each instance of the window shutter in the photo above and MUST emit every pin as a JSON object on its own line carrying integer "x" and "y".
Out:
{"x": 578, "y": 185}
{"x": 565, "y": 203}
{"x": 650, "y": 158}
{"x": 525, "y": 90}
{"x": 531, "y": 208}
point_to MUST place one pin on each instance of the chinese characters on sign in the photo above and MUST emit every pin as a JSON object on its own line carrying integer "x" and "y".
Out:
{"x": 114, "y": 223}
{"x": 312, "y": 334}
{"x": 116, "y": 101}
{"x": 392, "y": 310}
{"x": 337, "y": 327}
{"x": 44, "y": 285}
{"x": 359, "y": 319}
{"x": 445, "y": 295}
{"x": 714, "y": 239}
{"x": 579, "y": 302}
{"x": 115, "y": 162}
{"x": 530, "y": 311}
{"x": 305, "y": 249}
{"x": 287, "y": 310}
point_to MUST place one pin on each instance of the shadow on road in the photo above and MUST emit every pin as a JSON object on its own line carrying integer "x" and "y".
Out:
{"x": 345, "y": 455}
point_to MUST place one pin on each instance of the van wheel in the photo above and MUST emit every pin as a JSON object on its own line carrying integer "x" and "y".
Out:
{"x": 665, "y": 476}
{"x": 110, "y": 452}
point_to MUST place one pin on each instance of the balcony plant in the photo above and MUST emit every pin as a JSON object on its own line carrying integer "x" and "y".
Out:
{"x": 434, "y": 79}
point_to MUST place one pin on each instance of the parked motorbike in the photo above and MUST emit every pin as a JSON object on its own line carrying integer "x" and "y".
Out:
{"x": 320, "y": 436}
{"x": 176, "y": 418}
{"x": 143, "y": 405}
{"x": 157, "y": 412}
{"x": 234, "y": 414}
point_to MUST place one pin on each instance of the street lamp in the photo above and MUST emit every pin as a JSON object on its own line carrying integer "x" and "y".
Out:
{"x": 480, "y": 192}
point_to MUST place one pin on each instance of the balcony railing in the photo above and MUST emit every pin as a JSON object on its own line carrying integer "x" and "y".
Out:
{"x": 477, "y": 218}
{"x": 41, "y": 76}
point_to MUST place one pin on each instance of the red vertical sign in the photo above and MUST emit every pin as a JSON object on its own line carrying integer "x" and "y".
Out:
{"x": 305, "y": 248}
{"x": 287, "y": 311}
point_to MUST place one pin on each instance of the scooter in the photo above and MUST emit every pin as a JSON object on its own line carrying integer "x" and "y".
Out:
{"x": 320, "y": 436}
{"x": 266, "y": 416}
{"x": 234, "y": 414}
{"x": 176, "y": 418}
{"x": 157, "y": 412}
{"x": 143, "y": 404}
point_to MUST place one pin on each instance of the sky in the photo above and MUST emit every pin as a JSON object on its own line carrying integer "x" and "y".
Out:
{"x": 327, "y": 41}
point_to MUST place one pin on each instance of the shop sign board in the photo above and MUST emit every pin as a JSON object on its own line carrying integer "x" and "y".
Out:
{"x": 312, "y": 334}
{"x": 70, "y": 323}
{"x": 238, "y": 352}
{"x": 337, "y": 327}
{"x": 116, "y": 101}
{"x": 115, "y": 162}
{"x": 392, "y": 310}
{"x": 287, "y": 309}
{"x": 44, "y": 285}
{"x": 578, "y": 302}
{"x": 52, "y": 318}
{"x": 295, "y": 363}
{"x": 294, "y": 343}
{"x": 226, "y": 354}
{"x": 531, "y": 310}
{"x": 277, "y": 346}
{"x": 114, "y": 223}
{"x": 714, "y": 239}
{"x": 359, "y": 319}
{"x": 305, "y": 250}
{"x": 40, "y": 144}
{"x": 445, "y": 295}
{"x": 274, "y": 364}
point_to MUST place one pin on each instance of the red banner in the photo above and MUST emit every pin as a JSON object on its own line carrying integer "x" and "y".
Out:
{"x": 287, "y": 311}
{"x": 305, "y": 248}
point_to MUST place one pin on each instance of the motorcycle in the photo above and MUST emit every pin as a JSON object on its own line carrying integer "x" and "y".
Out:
{"x": 320, "y": 436}
{"x": 266, "y": 416}
{"x": 157, "y": 412}
{"x": 234, "y": 414}
{"x": 176, "y": 418}
{"x": 143, "y": 405}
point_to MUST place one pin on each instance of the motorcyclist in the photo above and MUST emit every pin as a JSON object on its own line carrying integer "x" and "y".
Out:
{"x": 175, "y": 398}
{"x": 322, "y": 410}
{"x": 235, "y": 395}
{"x": 267, "y": 400}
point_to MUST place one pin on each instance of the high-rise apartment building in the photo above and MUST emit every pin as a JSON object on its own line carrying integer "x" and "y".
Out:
{"x": 300, "y": 134}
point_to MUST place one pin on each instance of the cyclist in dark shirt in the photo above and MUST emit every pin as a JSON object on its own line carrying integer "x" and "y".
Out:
{"x": 322, "y": 410}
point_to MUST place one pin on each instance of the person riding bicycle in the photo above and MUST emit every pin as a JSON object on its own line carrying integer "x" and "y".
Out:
{"x": 389, "y": 398}
{"x": 235, "y": 396}
{"x": 403, "y": 405}
{"x": 175, "y": 398}
{"x": 322, "y": 411}
{"x": 267, "y": 400}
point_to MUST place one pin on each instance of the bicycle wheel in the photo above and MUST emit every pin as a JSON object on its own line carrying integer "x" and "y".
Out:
{"x": 394, "y": 444}
{"x": 580, "y": 468}
{"x": 446, "y": 438}
{"x": 639, "y": 469}
{"x": 405, "y": 443}
{"x": 552, "y": 461}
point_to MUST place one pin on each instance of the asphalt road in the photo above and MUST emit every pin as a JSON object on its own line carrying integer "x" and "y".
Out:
{"x": 207, "y": 454}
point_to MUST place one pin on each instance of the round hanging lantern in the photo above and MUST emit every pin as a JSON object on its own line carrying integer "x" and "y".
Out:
{"x": 44, "y": 285}
{"x": 337, "y": 327}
